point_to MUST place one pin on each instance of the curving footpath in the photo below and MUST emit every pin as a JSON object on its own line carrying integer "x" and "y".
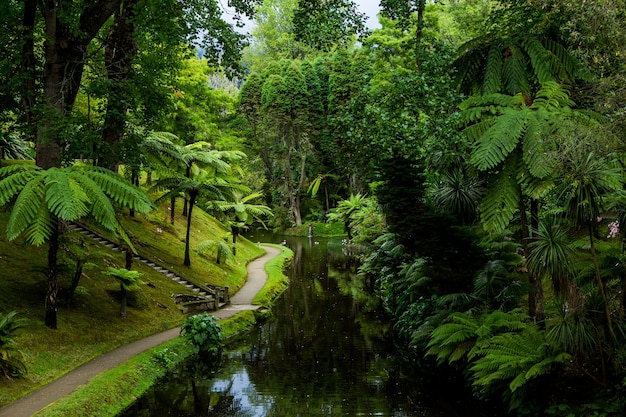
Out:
{"x": 35, "y": 401}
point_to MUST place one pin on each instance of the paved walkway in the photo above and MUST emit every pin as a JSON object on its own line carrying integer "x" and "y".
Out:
{"x": 35, "y": 401}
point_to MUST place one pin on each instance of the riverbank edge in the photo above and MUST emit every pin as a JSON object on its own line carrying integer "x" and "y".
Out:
{"x": 113, "y": 391}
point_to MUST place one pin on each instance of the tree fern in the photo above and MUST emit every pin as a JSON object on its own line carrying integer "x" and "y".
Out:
{"x": 453, "y": 340}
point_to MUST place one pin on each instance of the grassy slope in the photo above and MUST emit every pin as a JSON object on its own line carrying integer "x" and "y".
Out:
{"x": 113, "y": 391}
{"x": 93, "y": 325}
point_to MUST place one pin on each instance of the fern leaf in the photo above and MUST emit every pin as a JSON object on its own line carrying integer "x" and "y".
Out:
{"x": 101, "y": 208}
{"x": 14, "y": 178}
{"x": 539, "y": 59}
{"x": 28, "y": 208}
{"x": 65, "y": 199}
{"x": 538, "y": 153}
{"x": 500, "y": 139}
{"x": 515, "y": 72}
{"x": 492, "y": 80}
{"x": 500, "y": 204}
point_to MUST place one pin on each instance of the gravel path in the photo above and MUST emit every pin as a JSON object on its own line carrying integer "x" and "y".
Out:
{"x": 35, "y": 401}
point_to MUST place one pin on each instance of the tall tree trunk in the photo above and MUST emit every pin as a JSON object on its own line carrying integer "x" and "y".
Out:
{"x": 53, "y": 284}
{"x": 192, "y": 201}
{"x": 65, "y": 53}
{"x": 120, "y": 49}
{"x": 235, "y": 232}
{"x": 536, "y": 302}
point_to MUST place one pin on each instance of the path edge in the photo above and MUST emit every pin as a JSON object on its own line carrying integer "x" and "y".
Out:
{"x": 139, "y": 372}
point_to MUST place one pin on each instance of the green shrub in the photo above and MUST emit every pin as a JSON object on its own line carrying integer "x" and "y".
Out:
{"x": 11, "y": 365}
{"x": 204, "y": 333}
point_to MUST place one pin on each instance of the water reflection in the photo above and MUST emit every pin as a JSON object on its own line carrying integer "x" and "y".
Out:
{"x": 319, "y": 355}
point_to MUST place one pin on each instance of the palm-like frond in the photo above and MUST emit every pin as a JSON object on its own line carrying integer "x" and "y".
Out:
{"x": 492, "y": 80}
{"x": 64, "y": 193}
{"x": 501, "y": 201}
{"x": 453, "y": 340}
{"x": 13, "y": 178}
{"x": 537, "y": 150}
{"x": 31, "y": 214}
{"x": 515, "y": 72}
{"x": 539, "y": 59}
{"x": 500, "y": 139}
{"x": 551, "y": 255}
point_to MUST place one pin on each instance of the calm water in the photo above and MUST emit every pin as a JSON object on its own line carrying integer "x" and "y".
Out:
{"x": 319, "y": 355}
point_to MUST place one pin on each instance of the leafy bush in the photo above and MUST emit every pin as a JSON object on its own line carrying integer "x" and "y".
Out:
{"x": 11, "y": 365}
{"x": 204, "y": 333}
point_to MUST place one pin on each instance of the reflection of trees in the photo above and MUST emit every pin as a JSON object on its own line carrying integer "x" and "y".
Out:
{"x": 318, "y": 361}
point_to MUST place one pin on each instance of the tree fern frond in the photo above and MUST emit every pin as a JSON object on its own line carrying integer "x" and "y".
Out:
{"x": 40, "y": 228}
{"x": 515, "y": 72}
{"x": 14, "y": 178}
{"x": 500, "y": 203}
{"x": 469, "y": 63}
{"x": 537, "y": 151}
{"x": 563, "y": 64}
{"x": 500, "y": 139}
{"x": 119, "y": 190}
{"x": 552, "y": 96}
{"x": 492, "y": 79}
{"x": 101, "y": 208}
{"x": 26, "y": 209}
{"x": 64, "y": 197}
{"x": 539, "y": 59}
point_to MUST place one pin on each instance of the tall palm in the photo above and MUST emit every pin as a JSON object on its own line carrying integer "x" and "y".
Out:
{"x": 240, "y": 211}
{"x": 201, "y": 185}
{"x": 551, "y": 256}
{"x": 41, "y": 199}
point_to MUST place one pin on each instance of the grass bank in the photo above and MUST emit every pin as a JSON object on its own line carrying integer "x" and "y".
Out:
{"x": 91, "y": 325}
{"x": 111, "y": 392}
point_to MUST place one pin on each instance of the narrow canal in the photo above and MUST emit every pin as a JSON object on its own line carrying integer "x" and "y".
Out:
{"x": 320, "y": 354}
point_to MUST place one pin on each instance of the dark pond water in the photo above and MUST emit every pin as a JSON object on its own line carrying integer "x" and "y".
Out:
{"x": 319, "y": 355}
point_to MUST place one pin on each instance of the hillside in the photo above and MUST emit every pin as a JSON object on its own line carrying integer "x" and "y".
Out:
{"x": 91, "y": 324}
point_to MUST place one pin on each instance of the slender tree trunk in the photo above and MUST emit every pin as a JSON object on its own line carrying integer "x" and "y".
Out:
{"x": 536, "y": 302}
{"x": 192, "y": 200}
{"x": 78, "y": 273}
{"x": 235, "y": 232}
{"x": 123, "y": 301}
{"x": 172, "y": 209}
{"x": 594, "y": 257}
{"x": 53, "y": 284}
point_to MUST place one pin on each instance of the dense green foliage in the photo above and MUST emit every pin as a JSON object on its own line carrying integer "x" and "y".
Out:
{"x": 204, "y": 333}
{"x": 473, "y": 151}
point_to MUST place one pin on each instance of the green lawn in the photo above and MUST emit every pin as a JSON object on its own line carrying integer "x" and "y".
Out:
{"x": 92, "y": 325}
